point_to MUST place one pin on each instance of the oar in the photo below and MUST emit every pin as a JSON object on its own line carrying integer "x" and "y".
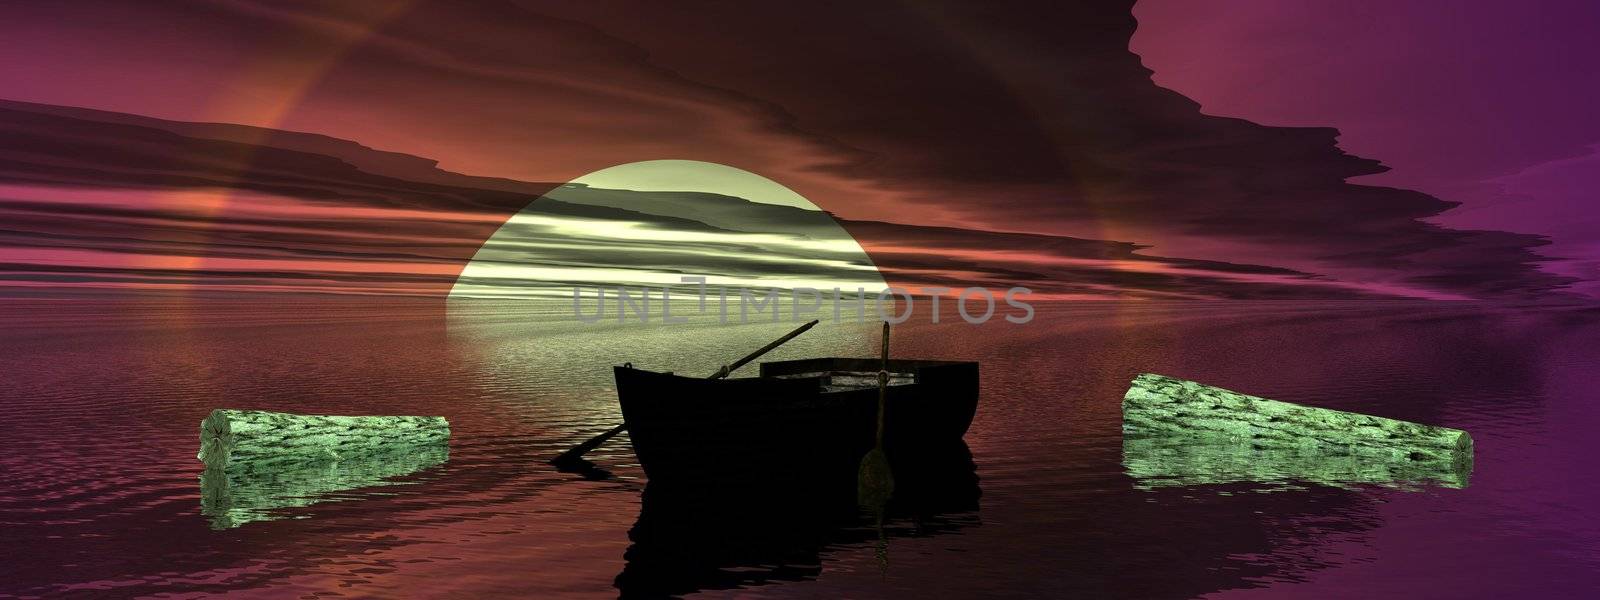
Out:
{"x": 875, "y": 482}
{"x": 576, "y": 453}
{"x": 726, "y": 369}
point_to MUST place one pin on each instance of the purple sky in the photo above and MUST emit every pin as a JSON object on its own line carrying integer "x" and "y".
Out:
{"x": 1026, "y": 143}
{"x": 1491, "y": 104}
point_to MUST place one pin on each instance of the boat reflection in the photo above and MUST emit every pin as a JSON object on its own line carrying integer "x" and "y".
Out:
{"x": 230, "y": 498}
{"x": 751, "y": 529}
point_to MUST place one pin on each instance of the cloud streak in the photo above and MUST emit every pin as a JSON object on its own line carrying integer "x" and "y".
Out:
{"x": 296, "y": 221}
{"x": 956, "y": 142}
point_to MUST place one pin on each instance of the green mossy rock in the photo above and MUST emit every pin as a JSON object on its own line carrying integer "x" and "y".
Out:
{"x": 244, "y": 441}
{"x": 230, "y": 499}
{"x": 1179, "y": 432}
{"x": 1177, "y": 460}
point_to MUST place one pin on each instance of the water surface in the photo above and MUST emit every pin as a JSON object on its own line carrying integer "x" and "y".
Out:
{"x": 100, "y": 405}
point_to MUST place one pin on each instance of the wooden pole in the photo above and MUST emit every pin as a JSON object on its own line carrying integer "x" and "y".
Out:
{"x": 875, "y": 481}
{"x": 575, "y": 454}
{"x": 883, "y": 384}
{"x": 727, "y": 369}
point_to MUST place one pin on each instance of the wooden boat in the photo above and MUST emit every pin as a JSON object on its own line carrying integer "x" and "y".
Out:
{"x": 800, "y": 419}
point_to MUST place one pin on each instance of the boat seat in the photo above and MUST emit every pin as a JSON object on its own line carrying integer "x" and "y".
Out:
{"x": 839, "y": 381}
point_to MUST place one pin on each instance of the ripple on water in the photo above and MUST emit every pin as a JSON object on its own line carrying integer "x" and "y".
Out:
{"x": 102, "y": 495}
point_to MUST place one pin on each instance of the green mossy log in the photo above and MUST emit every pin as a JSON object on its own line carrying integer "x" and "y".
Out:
{"x": 247, "y": 441}
{"x": 1205, "y": 417}
{"x": 1178, "y": 460}
{"x": 230, "y": 499}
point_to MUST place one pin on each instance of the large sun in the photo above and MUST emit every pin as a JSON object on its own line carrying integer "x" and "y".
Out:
{"x": 653, "y": 223}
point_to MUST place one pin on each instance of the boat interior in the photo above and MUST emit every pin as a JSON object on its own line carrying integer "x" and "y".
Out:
{"x": 840, "y": 381}
{"x": 845, "y": 374}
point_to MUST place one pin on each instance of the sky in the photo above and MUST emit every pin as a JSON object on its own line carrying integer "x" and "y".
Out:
{"x": 634, "y": 226}
{"x": 1490, "y": 104}
{"x": 1092, "y": 150}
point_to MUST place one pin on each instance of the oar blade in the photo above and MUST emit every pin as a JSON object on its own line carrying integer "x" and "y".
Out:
{"x": 574, "y": 456}
{"x": 875, "y": 483}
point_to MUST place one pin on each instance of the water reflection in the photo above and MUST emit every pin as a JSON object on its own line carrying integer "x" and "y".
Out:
{"x": 757, "y": 529}
{"x": 1178, "y": 460}
{"x": 113, "y": 513}
{"x": 231, "y": 498}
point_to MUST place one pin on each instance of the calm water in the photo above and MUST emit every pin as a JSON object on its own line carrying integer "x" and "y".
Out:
{"x": 100, "y": 405}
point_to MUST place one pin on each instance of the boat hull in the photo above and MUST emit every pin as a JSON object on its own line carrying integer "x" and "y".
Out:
{"x": 784, "y": 429}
